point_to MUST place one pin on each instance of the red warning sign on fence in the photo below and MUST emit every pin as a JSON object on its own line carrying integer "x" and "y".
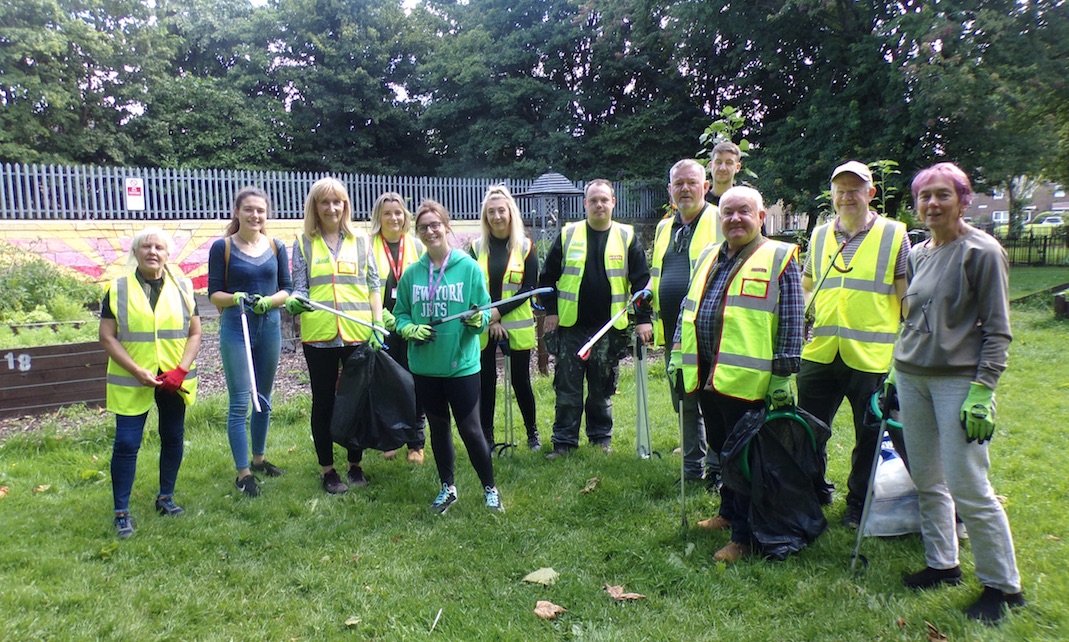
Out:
{"x": 135, "y": 194}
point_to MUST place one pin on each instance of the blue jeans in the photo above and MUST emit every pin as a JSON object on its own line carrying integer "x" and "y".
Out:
{"x": 129, "y": 430}
{"x": 265, "y": 337}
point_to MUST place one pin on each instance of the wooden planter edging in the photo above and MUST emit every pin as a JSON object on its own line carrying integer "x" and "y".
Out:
{"x": 40, "y": 379}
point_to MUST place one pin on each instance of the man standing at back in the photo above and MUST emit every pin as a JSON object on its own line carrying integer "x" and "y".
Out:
{"x": 724, "y": 163}
{"x": 594, "y": 265}
{"x": 856, "y": 313}
{"x": 679, "y": 241}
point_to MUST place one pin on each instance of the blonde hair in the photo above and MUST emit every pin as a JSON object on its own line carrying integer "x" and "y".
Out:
{"x": 380, "y": 204}
{"x": 139, "y": 238}
{"x": 516, "y": 229}
{"x": 244, "y": 193}
{"x": 327, "y": 187}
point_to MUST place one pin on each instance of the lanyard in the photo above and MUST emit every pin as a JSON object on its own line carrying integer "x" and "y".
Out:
{"x": 395, "y": 266}
{"x": 432, "y": 283}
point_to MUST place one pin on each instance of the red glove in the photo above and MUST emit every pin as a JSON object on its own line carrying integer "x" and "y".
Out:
{"x": 172, "y": 380}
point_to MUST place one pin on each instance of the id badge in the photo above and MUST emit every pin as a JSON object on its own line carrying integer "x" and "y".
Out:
{"x": 393, "y": 293}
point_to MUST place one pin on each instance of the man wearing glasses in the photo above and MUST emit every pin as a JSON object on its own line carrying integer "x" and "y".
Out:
{"x": 594, "y": 265}
{"x": 856, "y": 272}
{"x": 678, "y": 243}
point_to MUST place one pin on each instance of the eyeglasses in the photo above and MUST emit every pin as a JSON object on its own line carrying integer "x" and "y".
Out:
{"x": 681, "y": 240}
{"x": 429, "y": 227}
{"x": 924, "y": 327}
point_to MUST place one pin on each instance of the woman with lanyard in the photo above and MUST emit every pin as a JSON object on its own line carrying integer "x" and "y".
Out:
{"x": 150, "y": 329}
{"x": 444, "y": 358}
{"x": 246, "y": 268}
{"x": 949, "y": 357}
{"x": 505, "y": 257}
{"x": 394, "y": 250}
{"x": 333, "y": 266}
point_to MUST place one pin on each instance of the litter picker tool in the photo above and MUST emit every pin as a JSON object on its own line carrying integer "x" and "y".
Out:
{"x": 348, "y": 317}
{"x": 682, "y": 460}
{"x": 467, "y": 314}
{"x": 584, "y": 352}
{"x": 643, "y": 442}
{"x": 885, "y": 424}
{"x": 510, "y": 440}
{"x": 248, "y": 359}
{"x": 820, "y": 284}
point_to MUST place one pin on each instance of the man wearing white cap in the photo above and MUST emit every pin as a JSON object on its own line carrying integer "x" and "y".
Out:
{"x": 855, "y": 317}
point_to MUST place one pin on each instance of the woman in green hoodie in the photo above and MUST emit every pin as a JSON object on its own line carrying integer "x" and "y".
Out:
{"x": 444, "y": 359}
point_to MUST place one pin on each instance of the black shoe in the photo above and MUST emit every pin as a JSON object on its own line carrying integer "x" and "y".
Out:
{"x": 694, "y": 475}
{"x": 852, "y": 516}
{"x": 166, "y": 506}
{"x": 332, "y": 483}
{"x": 248, "y": 486}
{"x": 124, "y": 526}
{"x": 713, "y": 482}
{"x": 825, "y": 493}
{"x": 357, "y": 477}
{"x": 267, "y": 468}
{"x": 993, "y": 605}
{"x": 933, "y": 577}
{"x": 534, "y": 443}
{"x": 558, "y": 452}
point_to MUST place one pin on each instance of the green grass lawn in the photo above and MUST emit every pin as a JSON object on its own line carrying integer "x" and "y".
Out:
{"x": 375, "y": 564}
{"x": 1029, "y": 280}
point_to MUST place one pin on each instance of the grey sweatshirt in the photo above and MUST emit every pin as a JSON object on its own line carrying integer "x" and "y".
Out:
{"x": 959, "y": 314}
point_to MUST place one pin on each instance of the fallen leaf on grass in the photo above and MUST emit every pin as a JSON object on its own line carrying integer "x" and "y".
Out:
{"x": 618, "y": 594}
{"x": 900, "y": 622}
{"x": 42, "y": 488}
{"x": 89, "y": 475}
{"x": 548, "y": 610}
{"x": 545, "y": 576}
{"x": 352, "y": 621}
{"x": 1053, "y": 538}
{"x": 933, "y": 633}
{"x": 292, "y": 448}
{"x": 591, "y": 484}
{"x": 4, "y": 490}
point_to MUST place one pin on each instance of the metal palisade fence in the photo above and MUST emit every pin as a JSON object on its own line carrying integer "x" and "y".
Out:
{"x": 60, "y": 192}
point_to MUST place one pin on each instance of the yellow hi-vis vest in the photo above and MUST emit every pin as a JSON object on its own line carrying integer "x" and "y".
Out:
{"x": 856, "y": 314}
{"x": 412, "y": 250}
{"x": 519, "y": 323}
{"x": 155, "y": 339}
{"x": 573, "y": 242}
{"x": 340, "y": 283}
{"x": 749, "y": 322}
{"x": 705, "y": 232}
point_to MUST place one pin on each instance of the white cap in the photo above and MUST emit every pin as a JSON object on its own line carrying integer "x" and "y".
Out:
{"x": 861, "y": 170}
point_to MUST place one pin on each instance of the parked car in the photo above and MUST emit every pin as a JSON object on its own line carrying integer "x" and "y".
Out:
{"x": 1045, "y": 226}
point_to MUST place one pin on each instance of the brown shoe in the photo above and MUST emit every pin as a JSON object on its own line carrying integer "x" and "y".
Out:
{"x": 732, "y": 552}
{"x": 415, "y": 456}
{"x": 389, "y": 454}
{"x": 715, "y": 523}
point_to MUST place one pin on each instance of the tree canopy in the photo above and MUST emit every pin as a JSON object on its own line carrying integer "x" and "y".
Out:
{"x": 619, "y": 88}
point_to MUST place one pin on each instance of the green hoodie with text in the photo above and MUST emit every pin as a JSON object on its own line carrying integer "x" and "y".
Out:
{"x": 455, "y": 349}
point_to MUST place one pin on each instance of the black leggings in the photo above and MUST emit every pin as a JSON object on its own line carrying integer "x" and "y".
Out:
{"x": 324, "y": 366}
{"x": 438, "y": 395}
{"x": 520, "y": 362}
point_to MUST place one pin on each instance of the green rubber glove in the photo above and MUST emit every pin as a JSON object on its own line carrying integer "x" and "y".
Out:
{"x": 240, "y": 298}
{"x": 389, "y": 321}
{"x": 476, "y": 320}
{"x": 295, "y": 306}
{"x": 375, "y": 340}
{"x": 675, "y": 363}
{"x": 780, "y": 392}
{"x": 261, "y": 304}
{"x": 418, "y": 333}
{"x": 889, "y": 394}
{"x": 978, "y": 413}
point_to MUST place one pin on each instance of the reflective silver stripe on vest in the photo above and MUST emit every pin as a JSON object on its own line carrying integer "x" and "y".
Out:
{"x": 125, "y": 381}
{"x": 358, "y": 306}
{"x": 619, "y": 298}
{"x": 172, "y": 334}
{"x": 856, "y": 335}
{"x": 615, "y": 273}
{"x": 567, "y": 296}
{"x": 744, "y": 361}
{"x": 690, "y": 359}
{"x": 571, "y": 271}
{"x": 862, "y": 285}
{"x": 320, "y": 280}
{"x": 122, "y": 316}
{"x": 655, "y": 272}
{"x": 771, "y": 300}
{"x": 690, "y": 305}
{"x": 518, "y": 325}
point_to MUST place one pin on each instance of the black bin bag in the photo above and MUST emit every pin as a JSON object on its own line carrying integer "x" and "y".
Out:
{"x": 775, "y": 460}
{"x": 375, "y": 407}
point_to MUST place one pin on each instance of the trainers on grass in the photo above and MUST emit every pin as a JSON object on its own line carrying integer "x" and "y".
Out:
{"x": 166, "y": 506}
{"x": 445, "y": 499}
{"x": 333, "y": 484}
{"x": 267, "y": 468}
{"x": 993, "y": 605}
{"x": 493, "y": 498}
{"x": 357, "y": 477}
{"x": 124, "y": 526}
{"x": 248, "y": 486}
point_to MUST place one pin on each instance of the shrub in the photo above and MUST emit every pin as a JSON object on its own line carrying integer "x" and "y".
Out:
{"x": 41, "y": 291}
